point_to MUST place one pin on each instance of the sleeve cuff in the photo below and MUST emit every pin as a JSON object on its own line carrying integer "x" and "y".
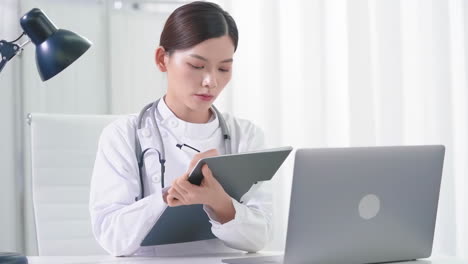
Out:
{"x": 154, "y": 204}
{"x": 238, "y": 217}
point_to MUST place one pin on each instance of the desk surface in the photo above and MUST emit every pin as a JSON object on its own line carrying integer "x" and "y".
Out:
{"x": 206, "y": 259}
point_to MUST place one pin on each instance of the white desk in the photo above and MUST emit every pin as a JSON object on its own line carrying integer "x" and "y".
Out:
{"x": 202, "y": 259}
{"x": 211, "y": 259}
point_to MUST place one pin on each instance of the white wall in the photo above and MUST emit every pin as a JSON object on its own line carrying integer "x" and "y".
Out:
{"x": 133, "y": 38}
{"x": 83, "y": 87}
{"x": 10, "y": 199}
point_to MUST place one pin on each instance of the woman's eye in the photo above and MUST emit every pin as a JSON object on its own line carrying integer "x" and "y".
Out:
{"x": 223, "y": 70}
{"x": 196, "y": 67}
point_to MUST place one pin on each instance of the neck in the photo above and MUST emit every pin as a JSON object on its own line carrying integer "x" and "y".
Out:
{"x": 184, "y": 113}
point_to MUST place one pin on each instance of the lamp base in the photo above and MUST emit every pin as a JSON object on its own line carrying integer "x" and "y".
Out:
{"x": 12, "y": 258}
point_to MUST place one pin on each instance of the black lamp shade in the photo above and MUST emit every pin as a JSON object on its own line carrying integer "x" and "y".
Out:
{"x": 55, "y": 48}
{"x": 58, "y": 51}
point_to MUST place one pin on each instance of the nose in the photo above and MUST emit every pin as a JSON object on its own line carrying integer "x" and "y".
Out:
{"x": 209, "y": 81}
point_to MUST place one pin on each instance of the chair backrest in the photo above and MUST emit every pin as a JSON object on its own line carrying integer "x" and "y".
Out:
{"x": 63, "y": 150}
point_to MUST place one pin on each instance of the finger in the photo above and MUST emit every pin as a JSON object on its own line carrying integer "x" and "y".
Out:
{"x": 192, "y": 164}
{"x": 182, "y": 184}
{"x": 188, "y": 187}
{"x": 201, "y": 155}
{"x": 207, "y": 172}
{"x": 174, "y": 193}
{"x": 183, "y": 176}
{"x": 210, "y": 153}
{"x": 208, "y": 177}
{"x": 194, "y": 161}
{"x": 165, "y": 196}
{"x": 172, "y": 201}
{"x": 188, "y": 190}
{"x": 178, "y": 186}
{"x": 174, "y": 181}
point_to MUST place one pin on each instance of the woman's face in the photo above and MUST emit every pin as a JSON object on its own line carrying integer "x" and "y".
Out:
{"x": 196, "y": 76}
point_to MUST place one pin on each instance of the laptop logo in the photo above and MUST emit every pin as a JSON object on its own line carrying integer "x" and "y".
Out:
{"x": 369, "y": 206}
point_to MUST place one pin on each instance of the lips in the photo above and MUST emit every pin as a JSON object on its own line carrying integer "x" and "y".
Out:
{"x": 204, "y": 97}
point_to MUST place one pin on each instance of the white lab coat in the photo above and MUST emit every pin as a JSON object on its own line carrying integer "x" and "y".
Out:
{"x": 120, "y": 223}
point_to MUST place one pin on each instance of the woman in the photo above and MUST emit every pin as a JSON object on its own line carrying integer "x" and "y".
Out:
{"x": 196, "y": 51}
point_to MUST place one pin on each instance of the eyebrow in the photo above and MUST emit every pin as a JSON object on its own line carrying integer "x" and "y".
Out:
{"x": 204, "y": 59}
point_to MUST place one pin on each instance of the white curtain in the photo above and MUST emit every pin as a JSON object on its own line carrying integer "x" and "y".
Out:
{"x": 323, "y": 73}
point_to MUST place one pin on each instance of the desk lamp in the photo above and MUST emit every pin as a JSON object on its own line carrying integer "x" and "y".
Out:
{"x": 56, "y": 49}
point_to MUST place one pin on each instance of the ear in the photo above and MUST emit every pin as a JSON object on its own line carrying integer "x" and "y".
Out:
{"x": 161, "y": 58}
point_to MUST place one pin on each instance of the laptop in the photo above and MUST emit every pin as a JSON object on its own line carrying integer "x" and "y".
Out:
{"x": 361, "y": 205}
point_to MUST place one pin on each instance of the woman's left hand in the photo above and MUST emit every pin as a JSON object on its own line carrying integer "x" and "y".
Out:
{"x": 209, "y": 193}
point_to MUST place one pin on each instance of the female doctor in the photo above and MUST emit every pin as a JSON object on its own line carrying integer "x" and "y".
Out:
{"x": 168, "y": 137}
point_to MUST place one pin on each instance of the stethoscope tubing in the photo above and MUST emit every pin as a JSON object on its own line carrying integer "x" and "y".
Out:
{"x": 161, "y": 153}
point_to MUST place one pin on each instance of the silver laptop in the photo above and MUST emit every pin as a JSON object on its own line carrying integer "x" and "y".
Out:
{"x": 361, "y": 205}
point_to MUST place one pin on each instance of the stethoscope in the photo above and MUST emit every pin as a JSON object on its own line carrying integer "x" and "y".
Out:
{"x": 152, "y": 107}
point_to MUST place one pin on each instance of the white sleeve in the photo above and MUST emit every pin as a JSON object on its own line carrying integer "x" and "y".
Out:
{"x": 251, "y": 228}
{"x": 120, "y": 223}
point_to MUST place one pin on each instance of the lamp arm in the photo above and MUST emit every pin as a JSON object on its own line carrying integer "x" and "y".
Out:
{"x": 8, "y": 50}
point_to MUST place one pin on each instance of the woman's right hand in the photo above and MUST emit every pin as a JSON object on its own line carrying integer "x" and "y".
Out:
{"x": 193, "y": 163}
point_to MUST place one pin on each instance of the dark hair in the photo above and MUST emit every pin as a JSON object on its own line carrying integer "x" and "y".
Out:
{"x": 196, "y": 22}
